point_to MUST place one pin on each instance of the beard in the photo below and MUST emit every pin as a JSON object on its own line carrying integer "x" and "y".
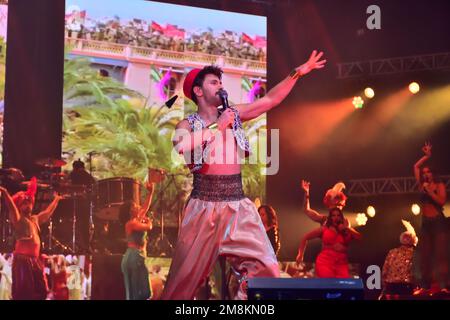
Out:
{"x": 214, "y": 100}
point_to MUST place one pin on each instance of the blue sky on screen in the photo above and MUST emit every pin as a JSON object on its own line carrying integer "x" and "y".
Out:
{"x": 191, "y": 18}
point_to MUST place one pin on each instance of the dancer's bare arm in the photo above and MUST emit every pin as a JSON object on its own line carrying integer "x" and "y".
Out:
{"x": 427, "y": 155}
{"x": 317, "y": 233}
{"x": 440, "y": 197}
{"x": 312, "y": 214}
{"x": 148, "y": 201}
{"x": 13, "y": 212}
{"x": 44, "y": 215}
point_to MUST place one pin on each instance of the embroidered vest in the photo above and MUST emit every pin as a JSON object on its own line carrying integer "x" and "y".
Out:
{"x": 202, "y": 152}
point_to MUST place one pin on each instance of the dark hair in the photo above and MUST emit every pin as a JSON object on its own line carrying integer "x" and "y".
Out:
{"x": 78, "y": 164}
{"x": 271, "y": 215}
{"x": 200, "y": 78}
{"x": 436, "y": 178}
{"x": 329, "y": 221}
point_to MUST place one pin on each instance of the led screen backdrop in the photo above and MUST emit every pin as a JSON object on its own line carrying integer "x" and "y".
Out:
{"x": 3, "y": 29}
{"x": 124, "y": 59}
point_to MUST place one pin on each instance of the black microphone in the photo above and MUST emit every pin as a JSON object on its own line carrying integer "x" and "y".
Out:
{"x": 169, "y": 103}
{"x": 224, "y": 97}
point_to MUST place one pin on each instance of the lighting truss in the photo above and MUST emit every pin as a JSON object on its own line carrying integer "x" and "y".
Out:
{"x": 437, "y": 61}
{"x": 380, "y": 186}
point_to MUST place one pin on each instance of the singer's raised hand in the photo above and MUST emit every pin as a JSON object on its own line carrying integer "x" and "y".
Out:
{"x": 225, "y": 119}
{"x": 312, "y": 63}
{"x": 279, "y": 92}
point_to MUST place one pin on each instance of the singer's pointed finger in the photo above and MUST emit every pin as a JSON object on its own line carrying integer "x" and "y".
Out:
{"x": 312, "y": 54}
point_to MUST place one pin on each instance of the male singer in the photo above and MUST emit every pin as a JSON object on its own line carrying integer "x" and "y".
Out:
{"x": 218, "y": 219}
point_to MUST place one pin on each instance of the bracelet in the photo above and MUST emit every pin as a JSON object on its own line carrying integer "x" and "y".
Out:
{"x": 213, "y": 125}
{"x": 294, "y": 74}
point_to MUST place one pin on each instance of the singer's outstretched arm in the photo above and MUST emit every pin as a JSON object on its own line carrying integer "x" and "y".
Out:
{"x": 277, "y": 94}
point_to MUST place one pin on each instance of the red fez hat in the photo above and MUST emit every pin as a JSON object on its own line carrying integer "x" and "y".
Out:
{"x": 189, "y": 82}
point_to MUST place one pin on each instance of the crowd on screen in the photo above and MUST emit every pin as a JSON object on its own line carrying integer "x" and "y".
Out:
{"x": 140, "y": 33}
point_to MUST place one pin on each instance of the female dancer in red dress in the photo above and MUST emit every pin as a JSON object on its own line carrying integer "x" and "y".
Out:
{"x": 334, "y": 198}
{"x": 332, "y": 261}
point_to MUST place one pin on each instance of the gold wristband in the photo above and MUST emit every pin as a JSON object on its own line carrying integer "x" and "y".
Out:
{"x": 213, "y": 125}
{"x": 294, "y": 74}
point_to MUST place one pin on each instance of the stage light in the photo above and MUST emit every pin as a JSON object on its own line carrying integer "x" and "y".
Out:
{"x": 371, "y": 211}
{"x": 358, "y": 102}
{"x": 415, "y": 208}
{"x": 369, "y": 93}
{"x": 414, "y": 87}
{"x": 361, "y": 219}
